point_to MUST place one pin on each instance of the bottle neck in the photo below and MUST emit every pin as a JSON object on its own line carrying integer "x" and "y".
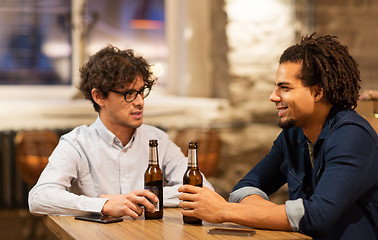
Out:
{"x": 154, "y": 159}
{"x": 192, "y": 158}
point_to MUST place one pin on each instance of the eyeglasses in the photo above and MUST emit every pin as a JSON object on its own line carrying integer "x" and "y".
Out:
{"x": 131, "y": 95}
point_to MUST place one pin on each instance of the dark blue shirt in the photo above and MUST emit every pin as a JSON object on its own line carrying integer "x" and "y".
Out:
{"x": 340, "y": 193}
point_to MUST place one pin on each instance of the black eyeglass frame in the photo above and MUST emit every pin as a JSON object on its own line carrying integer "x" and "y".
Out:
{"x": 132, "y": 92}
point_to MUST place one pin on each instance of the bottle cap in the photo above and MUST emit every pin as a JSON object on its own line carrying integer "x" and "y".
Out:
{"x": 193, "y": 145}
{"x": 153, "y": 143}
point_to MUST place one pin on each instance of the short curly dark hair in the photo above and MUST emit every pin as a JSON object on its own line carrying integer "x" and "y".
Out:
{"x": 328, "y": 63}
{"x": 113, "y": 68}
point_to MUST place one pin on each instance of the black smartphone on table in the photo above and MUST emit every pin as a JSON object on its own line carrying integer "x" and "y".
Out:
{"x": 99, "y": 218}
{"x": 232, "y": 231}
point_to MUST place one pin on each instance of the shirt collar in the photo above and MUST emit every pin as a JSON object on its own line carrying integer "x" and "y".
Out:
{"x": 108, "y": 136}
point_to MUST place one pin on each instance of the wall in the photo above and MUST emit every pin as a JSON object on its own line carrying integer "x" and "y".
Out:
{"x": 256, "y": 33}
{"x": 355, "y": 23}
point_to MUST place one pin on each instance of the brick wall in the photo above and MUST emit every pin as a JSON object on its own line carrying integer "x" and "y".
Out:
{"x": 355, "y": 23}
{"x": 256, "y": 33}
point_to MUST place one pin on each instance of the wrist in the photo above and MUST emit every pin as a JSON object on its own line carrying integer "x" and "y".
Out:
{"x": 104, "y": 208}
{"x": 226, "y": 212}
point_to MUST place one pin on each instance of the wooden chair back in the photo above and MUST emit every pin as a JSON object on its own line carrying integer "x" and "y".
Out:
{"x": 209, "y": 145}
{"x": 33, "y": 149}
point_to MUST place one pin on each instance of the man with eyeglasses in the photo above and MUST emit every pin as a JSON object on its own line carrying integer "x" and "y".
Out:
{"x": 100, "y": 168}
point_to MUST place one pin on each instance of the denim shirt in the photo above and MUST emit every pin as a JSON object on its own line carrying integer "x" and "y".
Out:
{"x": 340, "y": 193}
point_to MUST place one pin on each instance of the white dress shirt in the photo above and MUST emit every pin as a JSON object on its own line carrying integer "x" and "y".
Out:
{"x": 90, "y": 161}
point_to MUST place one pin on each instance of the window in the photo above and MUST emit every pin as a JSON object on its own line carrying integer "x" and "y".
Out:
{"x": 35, "y": 42}
{"x": 40, "y": 47}
{"x": 129, "y": 24}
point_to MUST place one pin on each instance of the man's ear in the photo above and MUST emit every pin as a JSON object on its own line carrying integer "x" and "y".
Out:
{"x": 319, "y": 94}
{"x": 97, "y": 97}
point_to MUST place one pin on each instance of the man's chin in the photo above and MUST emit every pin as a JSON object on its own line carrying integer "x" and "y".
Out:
{"x": 286, "y": 124}
{"x": 135, "y": 124}
{"x": 138, "y": 124}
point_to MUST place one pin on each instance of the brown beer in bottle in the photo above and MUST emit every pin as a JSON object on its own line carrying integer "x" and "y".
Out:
{"x": 153, "y": 181}
{"x": 193, "y": 176}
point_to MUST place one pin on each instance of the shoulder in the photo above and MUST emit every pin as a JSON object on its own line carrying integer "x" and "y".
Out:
{"x": 151, "y": 132}
{"x": 351, "y": 123}
{"x": 148, "y": 132}
{"x": 80, "y": 133}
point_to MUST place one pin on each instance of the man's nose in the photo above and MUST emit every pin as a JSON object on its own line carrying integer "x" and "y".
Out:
{"x": 274, "y": 97}
{"x": 139, "y": 100}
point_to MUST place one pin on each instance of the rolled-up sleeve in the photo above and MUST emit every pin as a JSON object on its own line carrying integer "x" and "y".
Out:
{"x": 294, "y": 211}
{"x": 238, "y": 195}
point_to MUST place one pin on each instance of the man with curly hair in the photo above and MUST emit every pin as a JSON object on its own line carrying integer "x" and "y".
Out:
{"x": 100, "y": 168}
{"x": 326, "y": 154}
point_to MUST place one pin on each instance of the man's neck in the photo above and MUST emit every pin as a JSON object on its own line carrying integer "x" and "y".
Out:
{"x": 313, "y": 130}
{"x": 123, "y": 133}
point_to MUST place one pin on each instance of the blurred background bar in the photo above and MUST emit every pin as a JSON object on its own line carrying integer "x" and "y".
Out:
{"x": 216, "y": 61}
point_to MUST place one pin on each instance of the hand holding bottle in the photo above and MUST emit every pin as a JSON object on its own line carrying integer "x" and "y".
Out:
{"x": 128, "y": 204}
{"x": 202, "y": 203}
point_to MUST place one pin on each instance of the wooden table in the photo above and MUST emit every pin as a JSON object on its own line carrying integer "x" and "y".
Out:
{"x": 170, "y": 227}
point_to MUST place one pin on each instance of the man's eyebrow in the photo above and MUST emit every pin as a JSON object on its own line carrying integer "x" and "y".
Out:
{"x": 130, "y": 90}
{"x": 282, "y": 83}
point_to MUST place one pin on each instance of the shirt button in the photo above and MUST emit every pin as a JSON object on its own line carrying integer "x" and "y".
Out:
{"x": 123, "y": 179}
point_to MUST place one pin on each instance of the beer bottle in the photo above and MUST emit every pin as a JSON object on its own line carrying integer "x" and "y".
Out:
{"x": 153, "y": 181}
{"x": 192, "y": 176}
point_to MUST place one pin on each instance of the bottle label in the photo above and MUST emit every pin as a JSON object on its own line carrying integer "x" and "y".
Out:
{"x": 154, "y": 190}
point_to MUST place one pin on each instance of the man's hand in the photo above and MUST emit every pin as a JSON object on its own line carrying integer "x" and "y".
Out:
{"x": 253, "y": 211}
{"x": 202, "y": 203}
{"x": 128, "y": 204}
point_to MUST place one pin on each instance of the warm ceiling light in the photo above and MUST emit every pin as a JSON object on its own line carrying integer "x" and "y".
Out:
{"x": 146, "y": 24}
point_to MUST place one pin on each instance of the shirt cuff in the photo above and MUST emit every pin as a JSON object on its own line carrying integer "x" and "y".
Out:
{"x": 95, "y": 205}
{"x": 294, "y": 211}
{"x": 239, "y": 194}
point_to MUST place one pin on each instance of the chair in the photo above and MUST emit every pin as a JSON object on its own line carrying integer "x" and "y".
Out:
{"x": 209, "y": 145}
{"x": 33, "y": 149}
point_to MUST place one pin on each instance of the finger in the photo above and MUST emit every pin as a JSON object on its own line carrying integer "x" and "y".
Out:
{"x": 187, "y": 205}
{"x": 188, "y": 188}
{"x": 187, "y": 212}
{"x": 140, "y": 195}
{"x": 131, "y": 213}
{"x": 145, "y": 193}
{"x": 187, "y": 197}
{"x": 104, "y": 196}
{"x": 130, "y": 205}
{"x": 147, "y": 204}
{"x": 152, "y": 197}
{"x": 132, "y": 209}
